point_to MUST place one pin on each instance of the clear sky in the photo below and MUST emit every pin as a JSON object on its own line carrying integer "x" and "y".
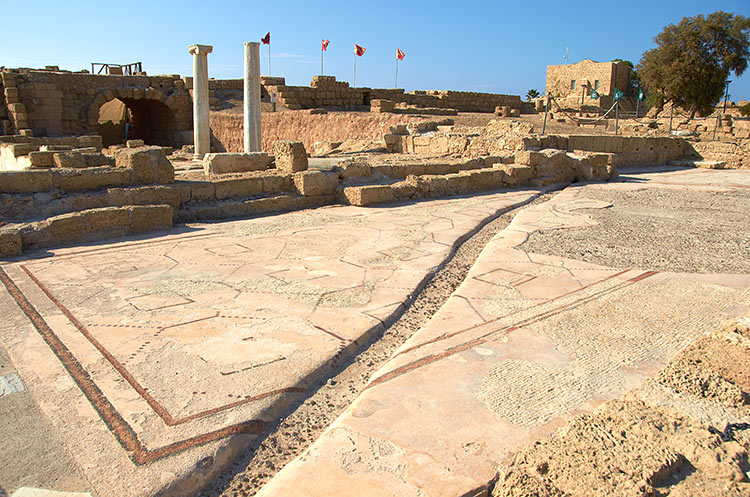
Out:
{"x": 493, "y": 46}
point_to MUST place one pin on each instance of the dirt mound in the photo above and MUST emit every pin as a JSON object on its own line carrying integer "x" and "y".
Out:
{"x": 628, "y": 447}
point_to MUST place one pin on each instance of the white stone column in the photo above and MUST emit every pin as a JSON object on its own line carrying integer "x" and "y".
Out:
{"x": 201, "y": 129}
{"x": 251, "y": 102}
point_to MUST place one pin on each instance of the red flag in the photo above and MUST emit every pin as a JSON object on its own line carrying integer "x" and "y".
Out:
{"x": 266, "y": 39}
{"x": 400, "y": 54}
{"x": 324, "y": 44}
{"x": 359, "y": 50}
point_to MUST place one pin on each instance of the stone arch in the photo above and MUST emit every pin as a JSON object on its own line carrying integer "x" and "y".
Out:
{"x": 152, "y": 113}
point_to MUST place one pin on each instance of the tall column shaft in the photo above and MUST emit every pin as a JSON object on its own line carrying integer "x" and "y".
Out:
{"x": 201, "y": 129}
{"x": 251, "y": 101}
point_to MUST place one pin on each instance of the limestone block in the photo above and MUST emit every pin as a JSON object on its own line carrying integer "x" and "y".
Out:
{"x": 515, "y": 112}
{"x": 134, "y": 143}
{"x": 202, "y": 190}
{"x": 69, "y": 160}
{"x": 94, "y": 178}
{"x": 290, "y": 156}
{"x": 148, "y": 164}
{"x": 393, "y": 143}
{"x": 354, "y": 170}
{"x": 149, "y": 218}
{"x": 93, "y": 159}
{"x": 239, "y": 187}
{"x": 404, "y": 189}
{"x": 437, "y": 186}
{"x": 368, "y": 195}
{"x": 10, "y": 242}
{"x": 313, "y": 183}
{"x": 314, "y": 201}
{"x": 25, "y": 181}
{"x": 41, "y": 159}
{"x": 91, "y": 141}
{"x": 223, "y": 163}
{"x": 278, "y": 203}
{"x": 516, "y": 174}
{"x": 147, "y": 195}
{"x": 277, "y": 183}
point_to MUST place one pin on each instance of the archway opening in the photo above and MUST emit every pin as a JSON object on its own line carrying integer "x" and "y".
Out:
{"x": 122, "y": 119}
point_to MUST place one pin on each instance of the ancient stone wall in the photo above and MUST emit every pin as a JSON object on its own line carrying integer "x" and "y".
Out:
{"x": 49, "y": 103}
{"x": 325, "y": 91}
{"x": 586, "y": 74}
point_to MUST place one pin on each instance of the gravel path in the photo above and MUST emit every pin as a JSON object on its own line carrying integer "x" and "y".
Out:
{"x": 664, "y": 229}
{"x": 302, "y": 427}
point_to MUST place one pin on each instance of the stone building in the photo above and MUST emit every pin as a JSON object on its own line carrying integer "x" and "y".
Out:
{"x": 571, "y": 84}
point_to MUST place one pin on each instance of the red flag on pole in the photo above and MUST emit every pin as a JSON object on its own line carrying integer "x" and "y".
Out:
{"x": 266, "y": 39}
{"x": 400, "y": 54}
{"x": 324, "y": 44}
{"x": 359, "y": 50}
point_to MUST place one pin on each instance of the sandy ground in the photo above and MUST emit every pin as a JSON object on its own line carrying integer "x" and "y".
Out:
{"x": 639, "y": 447}
{"x": 295, "y": 433}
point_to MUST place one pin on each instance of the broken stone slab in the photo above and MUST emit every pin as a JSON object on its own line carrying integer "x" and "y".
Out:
{"x": 148, "y": 164}
{"x": 223, "y": 163}
{"x": 290, "y": 156}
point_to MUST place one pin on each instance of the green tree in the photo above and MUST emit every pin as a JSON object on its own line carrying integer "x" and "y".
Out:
{"x": 532, "y": 94}
{"x": 693, "y": 59}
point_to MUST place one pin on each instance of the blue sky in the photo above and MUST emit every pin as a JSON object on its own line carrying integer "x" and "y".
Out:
{"x": 492, "y": 46}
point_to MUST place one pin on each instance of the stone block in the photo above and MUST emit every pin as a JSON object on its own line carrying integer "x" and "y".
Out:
{"x": 94, "y": 178}
{"x": 41, "y": 159}
{"x": 290, "y": 156}
{"x": 148, "y": 195}
{"x": 403, "y": 190}
{"x": 10, "y": 242}
{"x": 238, "y": 187}
{"x": 276, "y": 183}
{"x": 368, "y": 195}
{"x": 149, "y": 218}
{"x": 25, "y": 181}
{"x": 222, "y": 163}
{"x": 516, "y": 174}
{"x": 202, "y": 190}
{"x": 399, "y": 129}
{"x": 135, "y": 144}
{"x": 93, "y": 159}
{"x": 69, "y": 160}
{"x": 393, "y": 143}
{"x": 148, "y": 164}
{"x": 19, "y": 149}
{"x": 314, "y": 183}
{"x": 311, "y": 202}
{"x": 91, "y": 141}
{"x": 278, "y": 203}
{"x": 354, "y": 170}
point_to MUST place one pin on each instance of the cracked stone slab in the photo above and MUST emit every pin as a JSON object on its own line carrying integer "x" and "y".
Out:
{"x": 158, "y": 359}
{"x": 523, "y": 344}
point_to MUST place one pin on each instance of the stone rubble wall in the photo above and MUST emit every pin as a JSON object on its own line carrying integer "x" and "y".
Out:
{"x": 50, "y": 103}
{"x": 325, "y": 91}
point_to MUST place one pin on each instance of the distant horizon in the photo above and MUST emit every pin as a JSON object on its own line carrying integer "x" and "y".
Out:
{"x": 493, "y": 47}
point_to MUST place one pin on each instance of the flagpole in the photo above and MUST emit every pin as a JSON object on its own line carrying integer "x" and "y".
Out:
{"x": 354, "y": 80}
{"x": 396, "y": 83}
{"x": 269, "y": 58}
{"x": 321, "y": 60}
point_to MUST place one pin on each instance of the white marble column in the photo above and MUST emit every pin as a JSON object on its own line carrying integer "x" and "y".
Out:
{"x": 201, "y": 129}
{"x": 252, "y": 97}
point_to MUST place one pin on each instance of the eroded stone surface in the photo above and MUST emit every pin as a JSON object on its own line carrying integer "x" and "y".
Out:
{"x": 180, "y": 348}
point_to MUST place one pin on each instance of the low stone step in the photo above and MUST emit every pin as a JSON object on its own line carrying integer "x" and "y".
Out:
{"x": 237, "y": 208}
{"x": 83, "y": 226}
{"x": 705, "y": 164}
